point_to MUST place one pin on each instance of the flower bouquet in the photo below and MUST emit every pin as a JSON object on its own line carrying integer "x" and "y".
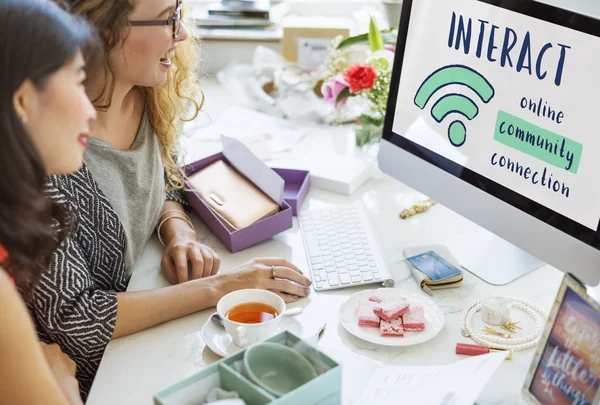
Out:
{"x": 361, "y": 67}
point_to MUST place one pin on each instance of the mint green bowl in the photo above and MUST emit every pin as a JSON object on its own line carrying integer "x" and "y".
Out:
{"x": 277, "y": 368}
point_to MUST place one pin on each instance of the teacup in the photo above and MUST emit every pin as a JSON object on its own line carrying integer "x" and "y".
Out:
{"x": 245, "y": 334}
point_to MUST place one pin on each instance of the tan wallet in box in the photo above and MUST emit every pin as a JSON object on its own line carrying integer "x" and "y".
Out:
{"x": 234, "y": 199}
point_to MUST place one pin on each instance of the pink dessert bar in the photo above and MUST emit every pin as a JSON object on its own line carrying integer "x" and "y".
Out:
{"x": 366, "y": 316}
{"x": 393, "y": 328}
{"x": 414, "y": 319}
{"x": 391, "y": 309}
{"x": 376, "y": 298}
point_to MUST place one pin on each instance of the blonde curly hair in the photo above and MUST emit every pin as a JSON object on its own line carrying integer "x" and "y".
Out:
{"x": 168, "y": 106}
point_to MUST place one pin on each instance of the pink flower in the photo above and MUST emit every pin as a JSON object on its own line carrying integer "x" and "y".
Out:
{"x": 390, "y": 47}
{"x": 332, "y": 88}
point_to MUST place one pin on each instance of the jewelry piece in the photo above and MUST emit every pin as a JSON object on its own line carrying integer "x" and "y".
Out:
{"x": 538, "y": 314}
{"x": 183, "y": 218}
{"x": 169, "y": 211}
{"x": 417, "y": 209}
{"x": 491, "y": 331}
{"x": 24, "y": 119}
{"x": 273, "y": 272}
{"x": 511, "y": 326}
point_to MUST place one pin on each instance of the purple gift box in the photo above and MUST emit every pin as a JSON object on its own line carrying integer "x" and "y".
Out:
{"x": 297, "y": 183}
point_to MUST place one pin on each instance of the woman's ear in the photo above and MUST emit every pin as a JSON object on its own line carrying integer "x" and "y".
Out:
{"x": 23, "y": 99}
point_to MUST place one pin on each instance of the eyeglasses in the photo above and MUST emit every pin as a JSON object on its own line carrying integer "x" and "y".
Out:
{"x": 174, "y": 20}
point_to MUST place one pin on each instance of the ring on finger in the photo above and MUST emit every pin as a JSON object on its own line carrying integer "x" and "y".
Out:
{"x": 273, "y": 272}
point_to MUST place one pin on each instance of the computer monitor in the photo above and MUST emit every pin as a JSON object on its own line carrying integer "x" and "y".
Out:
{"x": 493, "y": 112}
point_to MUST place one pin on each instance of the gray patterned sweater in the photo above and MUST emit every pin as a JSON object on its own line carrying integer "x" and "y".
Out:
{"x": 75, "y": 303}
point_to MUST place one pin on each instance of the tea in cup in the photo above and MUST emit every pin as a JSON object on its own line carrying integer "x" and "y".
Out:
{"x": 251, "y": 315}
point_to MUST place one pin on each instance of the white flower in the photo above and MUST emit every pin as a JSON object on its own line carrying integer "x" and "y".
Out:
{"x": 382, "y": 58}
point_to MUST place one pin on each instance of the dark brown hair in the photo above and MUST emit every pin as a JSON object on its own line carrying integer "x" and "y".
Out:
{"x": 37, "y": 38}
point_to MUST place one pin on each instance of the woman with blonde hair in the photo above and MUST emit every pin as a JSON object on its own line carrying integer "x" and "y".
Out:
{"x": 144, "y": 88}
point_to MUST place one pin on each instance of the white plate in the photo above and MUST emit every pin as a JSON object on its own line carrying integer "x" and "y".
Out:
{"x": 434, "y": 318}
{"x": 219, "y": 341}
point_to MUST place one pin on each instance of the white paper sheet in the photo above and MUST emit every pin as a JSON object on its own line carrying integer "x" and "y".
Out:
{"x": 250, "y": 166}
{"x": 459, "y": 383}
{"x": 249, "y": 126}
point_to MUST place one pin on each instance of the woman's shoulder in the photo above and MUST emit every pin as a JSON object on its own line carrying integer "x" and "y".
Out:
{"x": 8, "y": 292}
{"x": 65, "y": 187}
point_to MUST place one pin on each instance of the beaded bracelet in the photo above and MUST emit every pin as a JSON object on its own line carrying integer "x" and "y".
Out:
{"x": 538, "y": 314}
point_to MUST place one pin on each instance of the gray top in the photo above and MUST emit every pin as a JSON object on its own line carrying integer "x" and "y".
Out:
{"x": 133, "y": 182}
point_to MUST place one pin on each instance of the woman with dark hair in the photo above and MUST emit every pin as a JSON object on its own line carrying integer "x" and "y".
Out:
{"x": 44, "y": 122}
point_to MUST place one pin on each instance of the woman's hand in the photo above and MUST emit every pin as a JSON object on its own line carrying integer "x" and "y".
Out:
{"x": 64, "y": 370}
{"x": 187, "y": 259}
{"x": 289, "y": 283}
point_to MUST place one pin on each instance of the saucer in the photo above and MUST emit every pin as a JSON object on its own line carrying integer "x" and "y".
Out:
{"x": 220, "y": 342}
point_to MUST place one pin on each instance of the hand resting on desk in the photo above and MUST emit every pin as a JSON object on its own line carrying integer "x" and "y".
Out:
{"x": 289, "y": 283}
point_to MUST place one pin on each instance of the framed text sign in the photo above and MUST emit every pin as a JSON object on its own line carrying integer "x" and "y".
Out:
{"x": 566, "y": 366}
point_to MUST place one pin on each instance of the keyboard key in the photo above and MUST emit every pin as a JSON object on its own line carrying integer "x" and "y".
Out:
{"x": 316, "y": 277}
{"x": 316, "y": 260}
{"x": 376, "y": 276}
{"x": 363, "y": 263}
{"x": 361, "y": 257}
{"x": 318, "y": 266}
{"x": 342, "y": 270}
{"x": 372, "y": 263}
{"x": 367, "y": 276}
{"x": 328, "y": 263}
{"x": 344, "y": 278}
{"x": 333, "y": 279}
{"x": 352, "y": 267}
{"x": 356, "y": 279}
{"x": 354, "y": 273}
{"x": 338, "y": 253}
{"x": 319, "y": 285}
{"x": 340, "y": 259}
{"x": 312, "y": 244}
{"x": 346, "y": 245}
{"x": 327, "y": 258}
{"x": 331, "y": 269}
{"x": 365, "y": 268}
{"x": 340, "y": 265}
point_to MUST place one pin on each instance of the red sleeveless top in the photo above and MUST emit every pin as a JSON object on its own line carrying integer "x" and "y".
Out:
{"x": 3, "y": 254}
{"x": 3, "y": 257}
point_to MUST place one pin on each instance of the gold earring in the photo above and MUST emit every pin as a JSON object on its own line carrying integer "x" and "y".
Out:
{"x": 24, "y": 119}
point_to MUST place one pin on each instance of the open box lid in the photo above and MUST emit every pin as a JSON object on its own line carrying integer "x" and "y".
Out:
{"x": 245, "y": 162}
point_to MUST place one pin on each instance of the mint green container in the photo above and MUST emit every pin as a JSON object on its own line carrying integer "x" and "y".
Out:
{"x": 323, "y": 390}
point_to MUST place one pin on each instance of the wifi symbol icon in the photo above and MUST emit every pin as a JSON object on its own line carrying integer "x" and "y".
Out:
{"x": 454, "y": 102}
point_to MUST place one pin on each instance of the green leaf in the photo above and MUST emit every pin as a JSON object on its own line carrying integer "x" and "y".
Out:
{"x": 388, "y": 36}
{"x": 368, "y": 120}
{"x": 375, "y": 39}
{"x": 367, "y": 134}
{"x": 343, "y": 94}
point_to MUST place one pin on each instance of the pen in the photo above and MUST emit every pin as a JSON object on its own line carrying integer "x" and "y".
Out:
{"x": 475, "y": 350}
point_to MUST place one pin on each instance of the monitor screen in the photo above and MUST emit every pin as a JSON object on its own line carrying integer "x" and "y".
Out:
{"x": 504, "y": 95}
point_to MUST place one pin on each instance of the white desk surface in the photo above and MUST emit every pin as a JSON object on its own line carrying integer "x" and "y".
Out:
{"x": 136, "y": 367}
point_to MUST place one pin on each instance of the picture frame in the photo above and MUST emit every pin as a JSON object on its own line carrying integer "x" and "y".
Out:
{"x": 566, "y": 366}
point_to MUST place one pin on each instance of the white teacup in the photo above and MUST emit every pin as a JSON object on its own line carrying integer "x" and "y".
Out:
{"x": 245, "y": 334}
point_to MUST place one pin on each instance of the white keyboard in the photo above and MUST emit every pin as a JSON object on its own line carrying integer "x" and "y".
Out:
{"x": 342, "y": 249}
